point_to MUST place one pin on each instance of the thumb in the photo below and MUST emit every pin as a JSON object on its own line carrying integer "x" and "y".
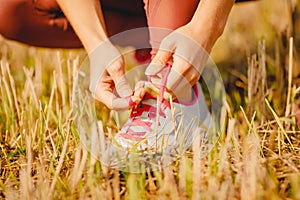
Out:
{"x": 122, "y": 86}
{"x": 158, "y": 63}
{"x": 117, "y": 73}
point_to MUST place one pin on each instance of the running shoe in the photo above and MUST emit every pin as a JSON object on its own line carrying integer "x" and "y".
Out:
{"x": 157, "y": 125}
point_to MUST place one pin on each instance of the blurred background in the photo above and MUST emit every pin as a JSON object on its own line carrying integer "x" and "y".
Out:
{"x": 38, "y": 140}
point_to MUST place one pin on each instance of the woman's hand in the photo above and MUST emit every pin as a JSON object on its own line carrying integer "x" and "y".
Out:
{"x": 107, "y": 80}
{"x": 188, "y": 52}
{"x": 188, "y": 47}
{"x": 107, "y": 77}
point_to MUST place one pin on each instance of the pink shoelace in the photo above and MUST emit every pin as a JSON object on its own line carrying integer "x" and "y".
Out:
{"x": 139, "y": 109}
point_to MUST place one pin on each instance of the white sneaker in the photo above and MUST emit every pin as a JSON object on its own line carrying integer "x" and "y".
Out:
{"x": 168, "y": 127}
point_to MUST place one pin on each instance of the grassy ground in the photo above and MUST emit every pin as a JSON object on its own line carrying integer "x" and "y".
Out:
{"x": 256, "y": 157}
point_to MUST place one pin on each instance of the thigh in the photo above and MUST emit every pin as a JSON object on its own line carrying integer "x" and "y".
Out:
{"x": 171, "y": 14}
{"x": 29, "y": 21}
{"x": 167, "y": 15}
{"x": 22, "y": 21}
{"x": 125, "y": 15}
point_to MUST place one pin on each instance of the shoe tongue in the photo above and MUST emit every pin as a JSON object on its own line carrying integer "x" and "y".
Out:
{"x": 151, "y": 99}
{"x": 153, "y": 102}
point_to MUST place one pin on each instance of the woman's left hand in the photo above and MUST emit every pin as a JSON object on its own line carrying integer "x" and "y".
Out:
{"x": 188, "y": 51}
{"x": 188, "y": 47}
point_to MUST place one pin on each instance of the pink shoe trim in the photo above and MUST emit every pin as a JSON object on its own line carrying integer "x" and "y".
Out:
{"x": 130, "y": 102}
{"x": 137, "y": 136}
{"x": 139, "y": 122}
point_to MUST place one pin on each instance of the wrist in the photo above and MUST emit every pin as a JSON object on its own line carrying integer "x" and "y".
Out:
{"x": 92, "y": 42}
{"x": 207, "y": 27}
{"x": 204, "y": 35}
{"x": 211, "y": 17}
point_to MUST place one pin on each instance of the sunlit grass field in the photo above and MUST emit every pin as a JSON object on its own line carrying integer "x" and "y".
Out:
{"x": 256, "y": 156}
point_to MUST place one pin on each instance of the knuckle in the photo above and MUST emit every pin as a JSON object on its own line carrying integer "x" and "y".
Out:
{"x": 194, "y": 78}
{"x": 115, "y": 67}
{"x": 158, "y": 60}
{"x": 166, "y": 43}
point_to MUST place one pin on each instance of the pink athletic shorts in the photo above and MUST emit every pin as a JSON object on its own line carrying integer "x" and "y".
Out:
{"x": 28, "y": 21}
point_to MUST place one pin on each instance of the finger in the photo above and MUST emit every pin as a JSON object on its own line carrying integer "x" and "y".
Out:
{"x": 111, "y": 100}
{"x": 60, "y": 22}
{"x": 101, "y": 62}
{"x": 159, "y": 62}
{"x": 177, "y": 73}
{"x": 138, "y": 96}
{"x": 177, "y": 82}
{"x": 122, "y": 86}
{"x": 181, "y": 79}
{"x": 186, "y": 70}
{"x": 140, "y": 84}
{"x": 117, "y": 74}
{"x": 119, "y": 104}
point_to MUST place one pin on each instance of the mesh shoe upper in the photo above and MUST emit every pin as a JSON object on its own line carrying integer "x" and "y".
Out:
{"x": 165, "y": 126}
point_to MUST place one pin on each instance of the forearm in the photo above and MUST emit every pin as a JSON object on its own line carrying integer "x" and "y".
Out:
{"x": 86, "y": 18}
{"x": 211, "y": 15}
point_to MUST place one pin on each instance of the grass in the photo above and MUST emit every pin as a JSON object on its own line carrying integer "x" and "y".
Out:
{"x": 41, "y": 156}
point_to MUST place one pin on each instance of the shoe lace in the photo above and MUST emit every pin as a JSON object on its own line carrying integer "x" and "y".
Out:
{"x": 139, "y": 109}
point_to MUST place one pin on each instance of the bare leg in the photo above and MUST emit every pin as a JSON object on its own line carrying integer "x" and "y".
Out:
{"x": 168, "y": 15}
{"x": 22, "y": 21}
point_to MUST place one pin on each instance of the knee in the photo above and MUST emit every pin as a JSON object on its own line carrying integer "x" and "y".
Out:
{"x": 10, "y": 21}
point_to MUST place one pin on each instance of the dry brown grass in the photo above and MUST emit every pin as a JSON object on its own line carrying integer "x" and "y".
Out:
{"x": 41, "y": 157}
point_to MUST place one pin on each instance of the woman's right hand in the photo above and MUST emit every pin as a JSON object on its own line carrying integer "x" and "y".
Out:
{"x": 107, "y": 77}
